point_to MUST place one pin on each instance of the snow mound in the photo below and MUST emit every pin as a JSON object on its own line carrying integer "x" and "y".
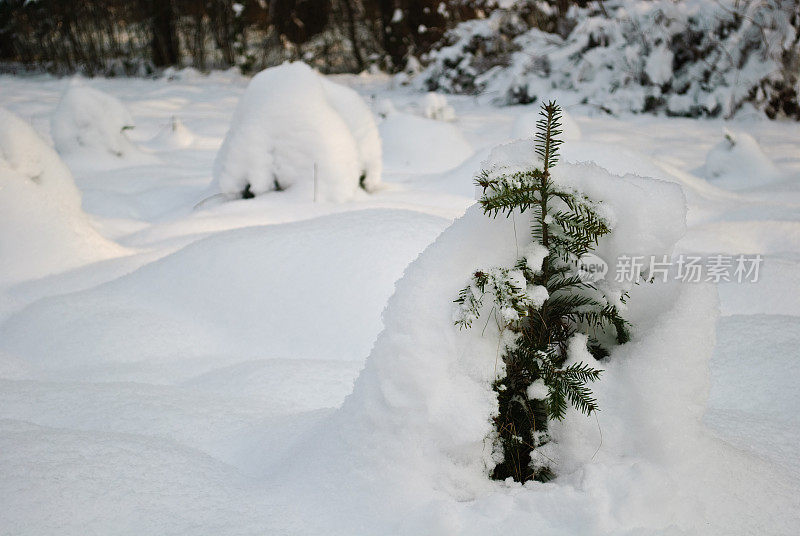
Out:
{"x": 173, "y": 136}
{"x": 435, "y": 106}
{"x": 738, "y": 162}
{"x": 525, "y": 126}
{"x": 88, "y": 120}
{"x": 419, "y": 145}
{"x": 42, "y": 227}
{"x": 294, "y": 129}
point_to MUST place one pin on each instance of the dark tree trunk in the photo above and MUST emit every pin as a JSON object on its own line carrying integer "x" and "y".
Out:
{"x": 351, "y": 26}
{"x": 165, "y": 38}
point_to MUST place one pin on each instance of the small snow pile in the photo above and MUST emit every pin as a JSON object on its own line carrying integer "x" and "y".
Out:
{"x": 385, "y": 108}
{"x": 173, "y": 136}
{"x": 42, "y": 227}
{"x": 295, "y": 129}
{"x": 90, "y": 121}
{"x": 435, "y": 106}
{"x": 418, "y": 145}
{"x": 738, "y": 162}
{"x": 525, "y": 126}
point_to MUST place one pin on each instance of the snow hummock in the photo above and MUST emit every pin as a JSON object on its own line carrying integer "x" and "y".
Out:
{"x": 175, "y": 135}
{"x": 42, "y": 227}
{"x": 295, "y": 130}
{"x": 738, "y": 162}
{"x": 88, "y": 121}
{"x": 422, "y": 145}
{"x": 435, "y": 106}
{"x": 525, "y": 126}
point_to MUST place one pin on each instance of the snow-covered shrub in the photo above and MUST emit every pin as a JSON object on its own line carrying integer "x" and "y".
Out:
{"x": 738, "y": 161}
{"x": 293, "y": 128}
{"x": 435, "y": 106}
{"x": 525, "y": 125}
{"x": 42, "y": 227}
{"x": 422, "y": 145}
{"x": 89, "y": 120}
{"x": 684, "y": 58}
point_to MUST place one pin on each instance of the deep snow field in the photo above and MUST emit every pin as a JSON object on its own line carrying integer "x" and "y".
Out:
{"x": 182, "y": 375}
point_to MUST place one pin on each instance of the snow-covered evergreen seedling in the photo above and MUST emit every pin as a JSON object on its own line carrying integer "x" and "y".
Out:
{"x": 548, "y": 311}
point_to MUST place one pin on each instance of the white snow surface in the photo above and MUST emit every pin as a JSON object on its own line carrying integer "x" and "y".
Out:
{"x": 166, "y": 369}
{"x": 295, "y": 130}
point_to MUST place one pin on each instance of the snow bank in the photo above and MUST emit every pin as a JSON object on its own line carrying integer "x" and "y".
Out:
{"x": 87, "y": 120}
{"x": 525, "y": 126}
{"x": 42, "y": 227}
{"x": 418, "y": 145}
{"x": 435, "y": 106}
{"x": 292, "y": 124}
{"x": 738, "y": 162}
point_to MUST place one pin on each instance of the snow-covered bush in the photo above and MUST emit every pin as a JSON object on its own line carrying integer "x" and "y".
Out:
{"x": 435, "y": 106}
{"x": 422, "y": 145}
{"x": 684, "y": 58}
{"x": 42, "y": 227}
{"x": 89, "y": 120}
{"x": 295, "y": 129}
{"x": 738, "y": 161}
{"x": 525, "y": 125}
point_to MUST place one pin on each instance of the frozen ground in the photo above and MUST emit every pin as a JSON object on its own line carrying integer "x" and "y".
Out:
{"x": 164, "y": 390}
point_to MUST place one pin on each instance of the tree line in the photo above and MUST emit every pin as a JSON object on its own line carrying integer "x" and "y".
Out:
{"x": 116, "y": 37}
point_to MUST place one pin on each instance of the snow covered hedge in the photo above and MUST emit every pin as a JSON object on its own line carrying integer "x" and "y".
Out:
{"x": 690, "y": 58}
{"x": 295, "y": 128}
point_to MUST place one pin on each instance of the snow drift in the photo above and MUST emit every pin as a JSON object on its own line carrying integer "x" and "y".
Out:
{"x": 292, "y": 129}
{"x": 42, "y": 227}
{"x": 88, "y": 120}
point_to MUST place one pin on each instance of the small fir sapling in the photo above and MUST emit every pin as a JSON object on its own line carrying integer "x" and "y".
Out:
{"x": 543, "y": 305}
